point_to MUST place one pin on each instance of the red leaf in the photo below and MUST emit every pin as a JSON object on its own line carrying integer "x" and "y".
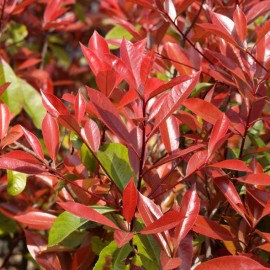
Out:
{"x": 34, "y": 142}
{"x": 21, "y": 162}
{"x": 122, "y": 237}
{"x": 36, "y": 220}
{"x": 28, "y": 63}
{"x": 130, "y": 198}
{"x": 91, "y": 134}
{"x": 169, "y": 263}
{"x": 3, "y": 87}
{"x": 36, "y": 245}
{"x": 79, "y": 107}
{"x": 132, "y": 57}
{"x": 108, "y": 114}
{"x": 240, "y": 23}
{"x": 219, "y": 131}
{"x": 180, "y": 59}
{"x": 178, "y": 153}
{"x": 261, "y": 33}
{"x": 98, "y": 43}
{"x": 169, "y": 131}
{"x": 147, "y": 63}
{"x": 4, "y": 120}
{"x": 150, "y": 212}
{"x": 53, "y": 10}
{"x": 185, "y": 251}
{"x": 189, "y": 210}
{"x": 51, "y": 135}
{"x": 53, "y": 105}
{"x": 231, "y": 194}
{"x": 261, "y": 179}
{"x": 85, "y": 212}
{"x": 166, "y": 222}
{"x": 210, "y": 228}
{"x": 204, "y": 109}
{"x": 13, "y": 135}
{"x": 196, "y": 162}
{"x": 233, "y": 164}
{"x": 257, "y": 10}
{"x": 231, "y": 263}
{"x": 69, "y": 122}
{"x": 175, "y": 98}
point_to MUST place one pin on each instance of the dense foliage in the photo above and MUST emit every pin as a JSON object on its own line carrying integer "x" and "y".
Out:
{"x": 134, "y": 134}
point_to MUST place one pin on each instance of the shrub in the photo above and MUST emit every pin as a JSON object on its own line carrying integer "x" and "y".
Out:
{"x": 157, "y": 158}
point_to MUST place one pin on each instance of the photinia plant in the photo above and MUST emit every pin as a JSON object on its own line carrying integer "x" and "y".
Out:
{"x": 160, "y": 159}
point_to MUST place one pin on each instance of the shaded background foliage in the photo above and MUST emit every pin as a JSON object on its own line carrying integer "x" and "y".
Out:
{"x": 182, "y": 118}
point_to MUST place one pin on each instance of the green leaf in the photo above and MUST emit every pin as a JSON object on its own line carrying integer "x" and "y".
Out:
{"x": 114, "y": 158}
{"x": 120, "y": 257}
{"x": 199, "y": 88}
{"x": 148, "y": 250}
{"x": 98, "y": 244}
{"x": 7, "y": 225}
{"x": 74, "y": 239}
{"x": 88, "y": 159}
{"x": 63, "y": 226}
{"x": 118, "y": 32}
{"x": 112, "y": 257}
{"x": 13, "y": 96}
{"x": 16, "y": 182}
{"x": 106, "y": 256}
{"x": 33, "y": 103}
{"x": 66, "y": 223}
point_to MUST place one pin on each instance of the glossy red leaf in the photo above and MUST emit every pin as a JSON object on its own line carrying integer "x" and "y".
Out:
{"x": 53, "y": 10}
{"x": 257, "y": 10}
{"x": 130, "y": 199}
{"x": 121, "y": 237}
{"x": 13, "y": 135}
{"x": 149, "y": 213}
{"x": 34, "y": 142}
{"x": 175, "y": 98}
{"x": 21, "y": 162}
{"x": 170, "y": 134}
{"x": 233, "y": 164}
{"x": 231, "y": 194}
{"x": 159, "y": 87}
{"x": 240, "y": 23}
{"x": 180, "y": 59}
{"x": 4, "y": 120}
{"x": 53, "y": 104}
{"x": 231, "y": 263}
{"x": 51, "y": 135}
{"x": 85, "y": 212}
{"x": 177, "y": 154}
{"x": 219, "y": 131}
{"x": 108, "y": 114}
{"x": 96, "y": 64}
{"x": 169, "y": 263}
{"x": 91, "y": 134}
{"x": 146, "y": 66}
{"x": 132, "y": 57}
{"x": 168, "y": 221}
{"x": 98, "y": 43}
{"x": 196, "y": 162}
{"x": 210, "y": 228}
{"x": 204, "y": 109}
{"x": 36, "y": 220}
{"x": 79, "y": 107}
{"x": 36, "y": 245}
{"x": 3, "y": 87}
{"x": 189, "y": 210}
{"x": 263, "y": 31}
{"x": 261, "y": 179}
